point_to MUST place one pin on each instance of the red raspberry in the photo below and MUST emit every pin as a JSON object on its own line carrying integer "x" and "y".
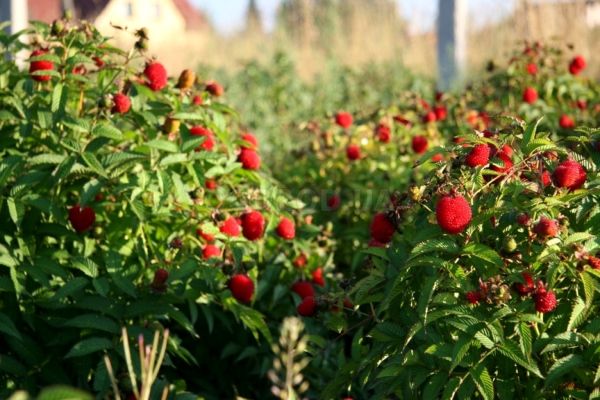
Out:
{"x": 308, "y": 307}
{"x": 594, "y": 262}
{"x": 98, "y": 61}
{"x": 206, "y": 236}
{"x": 566, "y": 122}
{"x": 242, "y": 287}
{"x": 231, "y": 227}
{"x": 251, "y": 141}
{"x": 300, "y": 261}
{"x": 250, "y": 159}
{"x": 210, "y": 184}
{"x": 473, "y": 297}
{"x": 209, "y": 142}
{"x": 545, "y": 301}
{"x": 214, "y": 89}
{"x": 437, "y": 157}
{"x": 353, "y": 152}
{"x": 160, "y": 277}
{"x": 40, "y": 66}
{"x": 211, "y": 251}
{"x": 546, "y": 227}
{"x": 581, "y": 104}
{"x": 253, "y": 225}
{"x": 343, "y": 119}
{"x": 286, "y": 228}
{"x": 429, "y": 117}
{"x": 383, "y": 132}
{"x": 527, "y": 287}
{"x": 122, "y": 104}
{"x": 317, "y": 277}
{"x": 507, "y": 163}
{"x": 523, "y": 219}
{"x": 81, "y": 218}
{"x": 197, "y": 100}
{"x": 546, "y": 178}
{"x": 530, "y": 95}
{"x": 156, "y": 76}
{"x": 453, "y": 214}
{"x": 569, "y": 174}
{"x": 382, "y": 229}
{"x": 532, "y": 69}
{"x": 303, "y": 289}
{"x": 333, "y": 202}
{"x": 577, "y": 65}
{"x": 440, "y": 113}
{"x": 419, "y": 144}
{"x": 479, "y": 156}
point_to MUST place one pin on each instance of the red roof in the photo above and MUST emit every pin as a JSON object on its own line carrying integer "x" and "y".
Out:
{"x": 194, "y": 19}
{"x": 44, "y": 10}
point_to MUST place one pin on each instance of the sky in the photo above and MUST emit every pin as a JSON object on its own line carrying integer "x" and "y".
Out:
{"x": 228, "y": 15}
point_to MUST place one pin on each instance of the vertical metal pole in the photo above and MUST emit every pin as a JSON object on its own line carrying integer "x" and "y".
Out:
{"x": 452, "y": 41}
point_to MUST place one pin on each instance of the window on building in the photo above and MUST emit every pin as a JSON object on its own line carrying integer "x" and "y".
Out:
{"x": 128, "y": 9}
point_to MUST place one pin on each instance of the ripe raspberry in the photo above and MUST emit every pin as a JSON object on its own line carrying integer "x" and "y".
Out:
{"x": 419, "y": 144}
{"x": 231, "y": 227}
{"x": 40, "y": 66}
{"x": 98, "y": 61}
{"x": 303, "y": 289}
{"x": 344, "y": 119}
{"x": 210, "y": 184}
{"x": 122, "y": 104}
{"x": 382, "y": 229}
{"x": 594, "y": 262}
{"x": 429, "y": 117}
{"x": 250, "y": 159}
{"x": 437, "y": 157}
{"x": 581, "y": 104}
{"x": 523, "y": 219}
{"x": 242, "y": 287}
{"x": 209, "y": 142}
{"x": 546, "y": 178}
{"x": 204, "y": 235}
{"x": 307, "y": 307}
{"x": 214, "y": 89}
{"x": 383, "y": 132}
{"x": 479, "y": 156}
{"x": 507, "y": 163}
{"x": 81, "y": 218}
{"x": 566, "y": 122}
{"x": 425, "y": 105}
{"x": 333, "y": 202}
{"x": 453, "y": 214}
{"x": 546, "y": 227}
{"x": 527, "y": 287}
{"x": 251, "y": 141}
{"x": 577, "y": 65}
{"x": 569, "y": 174}
{"x": 530, "y": 95}
{"x": 506, "y": 149}
{"x": 253, "y": 225}
{"x": 197, "y": 100}
{"x": 300, "y": 261}
{"x": 317, "y": 277}
{"x": 440, "y": 113}
{"x": 211, "y": 251}
{"x": 545, "y": 301}
{"x": 286, "y": 228}
{"x": 353, "y": 152}
{"x": 532, "y": 69}
{"x": 79, "y": 70}
{"x": 160, "y": 277}
{"x": 156, "y": 76}
{"x": 473, "y": 297}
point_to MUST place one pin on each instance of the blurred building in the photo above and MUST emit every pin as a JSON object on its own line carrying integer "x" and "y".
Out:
{"x": 176, "y": 29}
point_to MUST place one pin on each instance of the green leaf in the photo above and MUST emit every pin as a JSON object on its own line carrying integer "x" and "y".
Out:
{"x": 578, "y": 237}
{"x": 181, "y": 193}
{"x": 94, "y": 321}
{"x": 578, "y": 314}
{"x": 163, "y": 145}
{"x": 563, "y": 366}
{"x": 16, "y": 210}
{"x": 427, "y": 290}
{"x": 173, "y": 159}
{"x": 435, "y": 245}
{"x": 530, "y": 132}
{"x": 525, "y": 339}
{"x": 483, "y": 381}
{"x": 92, "y": 162}
{"x": 7, "y": 326}
{"x": 510, "y": 350}
{"x": 63, "y": 393}
{"x": 57, "y": 97}
{"x": 89, "y": 346}
{"x": 484, "y": 253}
{"x": 108, "y": 131}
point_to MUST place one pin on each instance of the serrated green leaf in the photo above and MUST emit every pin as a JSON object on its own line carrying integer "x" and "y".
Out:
{"x": 482, "y": 379}
{"x": 8, "y": 327}
{"x": 578, "y": 314}
{"x": 94, "y": 321}
{"x": 163, "y": 145}
{"x": 89, "y": 346}
{"x": 561, "y": 367}
{"x": 510, "y": 350}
